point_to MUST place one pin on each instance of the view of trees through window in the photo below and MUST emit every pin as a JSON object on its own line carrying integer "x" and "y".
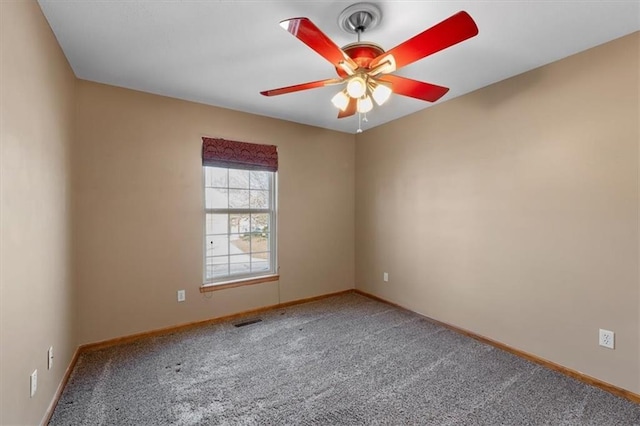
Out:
{"x": 239, "y": 215}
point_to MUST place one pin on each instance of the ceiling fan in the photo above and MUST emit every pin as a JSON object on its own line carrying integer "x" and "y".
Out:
{"x": 365, "y": 68}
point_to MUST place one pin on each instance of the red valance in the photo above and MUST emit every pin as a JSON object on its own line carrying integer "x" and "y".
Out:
{"x": 239, "y": 155}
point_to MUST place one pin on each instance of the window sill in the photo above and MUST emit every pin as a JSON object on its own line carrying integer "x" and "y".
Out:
{"x": 238, "y": 283}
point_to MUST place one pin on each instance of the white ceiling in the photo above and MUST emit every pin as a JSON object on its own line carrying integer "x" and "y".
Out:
{"x": 224, "y": 53}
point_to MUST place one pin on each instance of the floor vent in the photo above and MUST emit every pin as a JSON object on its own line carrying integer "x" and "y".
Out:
{"x": 248, "y": 322}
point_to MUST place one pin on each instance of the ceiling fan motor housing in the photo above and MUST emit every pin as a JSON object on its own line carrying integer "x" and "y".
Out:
{"x": 362, "y": 53}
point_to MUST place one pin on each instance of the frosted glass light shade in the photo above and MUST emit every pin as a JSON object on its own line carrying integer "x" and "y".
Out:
{"x": 381, "y": 93}
{"x": 356, "y": 87}
{"x": 365, "y": 105}
{"x": 340, "y": 100}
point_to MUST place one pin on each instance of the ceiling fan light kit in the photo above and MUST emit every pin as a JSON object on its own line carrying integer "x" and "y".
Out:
{"x": 365, "y": 68}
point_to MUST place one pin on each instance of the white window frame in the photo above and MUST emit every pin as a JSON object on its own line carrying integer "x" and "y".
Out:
{"x": 273, "y": 258}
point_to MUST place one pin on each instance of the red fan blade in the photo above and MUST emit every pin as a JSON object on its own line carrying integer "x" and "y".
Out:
{"x": 309, "y": 34}
{"x": 299, "y": 87}
{"x": 452, "y": 30}
{"x": 415, "y": 89}
{"x": 350, "y": 109}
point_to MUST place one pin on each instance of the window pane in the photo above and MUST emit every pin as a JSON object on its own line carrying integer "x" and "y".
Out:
{"x": 260, "y": 222}
{"x": 240, "y": 243}
{"x": 240, "y": 264}
{"x": 239, "y": 198}
{"x": 260, "y": 264}
{"x": 217, "y": 245}
{"x": 259, "y": 199}
{"x": 217, "y": 266}
{"x": 220, "y": 271}
{"x": 260, "y": 243}
{"x": 259, "y": 180}
{"x": 209, "y": 272}
{"x": 217, "y": 223}
{"x": 218, "y": 260}
{"x": 216, "y": 198}
{"x": 238, "y": 179}
{"x": 208, "y": 268}
{"x": 239, "y": 223}
{"x": 215, "y": 177}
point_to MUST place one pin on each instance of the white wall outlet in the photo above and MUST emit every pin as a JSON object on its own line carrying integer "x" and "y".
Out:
{"x": 181, "y": 296}
{"x": 33, "y": 382}
{"x": 607, "y": 339}
{"x": 50, "y": 358}
{"x": 385, "y": 277}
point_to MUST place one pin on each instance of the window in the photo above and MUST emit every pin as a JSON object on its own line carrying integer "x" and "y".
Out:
{"x": 240, "y": 214}
{"x": 240, "y": 220}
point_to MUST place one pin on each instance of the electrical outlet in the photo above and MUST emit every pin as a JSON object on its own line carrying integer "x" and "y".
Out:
{"x": 33, "y": 382}
{"x": 181, "y": 296}
{"x": 607, "y": 339}
{"x": 50, "y": 358}
{"x": 385, "y": 277}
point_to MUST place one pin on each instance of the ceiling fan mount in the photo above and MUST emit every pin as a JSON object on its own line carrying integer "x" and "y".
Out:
{"x": 365, "y": 68}
{"x": 359, "y": 18}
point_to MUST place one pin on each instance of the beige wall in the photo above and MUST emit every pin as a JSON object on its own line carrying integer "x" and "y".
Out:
{"x": 139, "y": 211}
{"x": 36, "y": 131}
{"x": 513, "y": 211}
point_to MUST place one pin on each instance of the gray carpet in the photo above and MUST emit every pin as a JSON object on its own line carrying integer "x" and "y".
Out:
{"x": 345, "y": 360}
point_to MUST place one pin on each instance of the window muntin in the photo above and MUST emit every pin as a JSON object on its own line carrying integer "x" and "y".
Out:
{"x": 239, "y": 223}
